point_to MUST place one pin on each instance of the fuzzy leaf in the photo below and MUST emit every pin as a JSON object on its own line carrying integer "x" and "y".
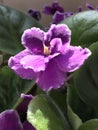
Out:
{"x": 12, "y": 25}
{"x": 86, "y": 79}
{"x": 11, "y": 86}
{"x": 90, "y": 125}
{"x": 84, "y": 27}
{"x": 44, "y": 114}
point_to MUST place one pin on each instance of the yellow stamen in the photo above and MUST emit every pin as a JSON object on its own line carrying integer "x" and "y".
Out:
{"x": 46, "y": 50}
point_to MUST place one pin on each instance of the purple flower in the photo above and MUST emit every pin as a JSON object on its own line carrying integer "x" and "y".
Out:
{"x": 58, "y": 16}
{"x": 9, "y": 120}
{"x": 88, "y": 6}
{"x": 24, "y": 104}
{"x": 48, "y": 56}
{"x": 79, "y": 9}
{"x": 96, "y": 7}
{"x": 35, "y": 14}
{"x": 57, "y": 11}
{"x": 51, "y": 10}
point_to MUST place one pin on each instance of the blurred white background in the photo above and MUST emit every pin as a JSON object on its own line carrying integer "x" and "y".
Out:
{"x": 69, "y": 5}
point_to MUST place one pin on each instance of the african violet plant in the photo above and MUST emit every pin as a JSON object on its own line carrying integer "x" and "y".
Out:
{"x": 49, "y": 76}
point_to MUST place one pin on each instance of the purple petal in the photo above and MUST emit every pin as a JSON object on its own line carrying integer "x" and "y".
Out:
{"x": 9, "y": 120}
{"x": 26, "y": 96}
{"x": 28, "y": 126}
{"x": 73, "y": 58}
{"x": 24, "y": 104}
{"x": 88, "y": 6}
{"x": 48, "y": 10}
{"x": 34, "y": 62}
{"x": 51, "y": 10}
{"x": 46, "y": 82}
{"x": 79, "y": 9}
{"x": 96, "y": 8}
{"x": 57, "y": 7}
{"x": 33, "y": 40}
{"x": 58, "y": 31}
{"x": 52, "y": 56}
{"x": 55, "y": 45}
{"x": 68, "y": 14}
{"x": 58, "y": 17}
{"x": 14, "y": 63}
{"x": 35, "y": 14}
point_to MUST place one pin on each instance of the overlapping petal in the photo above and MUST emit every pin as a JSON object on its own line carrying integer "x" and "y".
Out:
{"x": 14, "y": 63}
{"x": 33, "y": 40}
{"x": 72, "y": 59}
{"x": 55, "y": 45}
{"x": 34, "y": 62}
{"x": 58, "y": 17}
{"x": 52, "y": 77}
{"x": 9, "y": 120}
{"x": 48, "y": 54}
{"x": 24, "y": 104}
{"x": 51, "y": 10}
{"x": 58, "y": 31}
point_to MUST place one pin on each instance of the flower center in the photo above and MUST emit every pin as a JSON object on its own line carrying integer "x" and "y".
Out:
{"x": 46, "y": 50}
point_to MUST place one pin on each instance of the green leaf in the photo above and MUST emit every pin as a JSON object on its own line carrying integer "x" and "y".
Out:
{"x": 84, "y": 27}
{"x": 90, "y": 125}
{"x": 12, "y": 25}
{"x": 72, "y": 104}
{"x": 44, "y": 114}
{"x": 74, "y": 119}
{"x": 86, "y": 79}
{"x": 11, "y": 86}
{"x": 59, "y": 96}
{"x": 77, "y": 105}
{"x": 1, "y": 59}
